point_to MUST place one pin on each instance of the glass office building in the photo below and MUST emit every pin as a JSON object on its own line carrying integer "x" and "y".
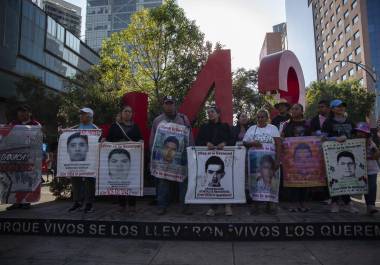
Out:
{"x": 32, "y": 43}
{"x": 107, "y": 16}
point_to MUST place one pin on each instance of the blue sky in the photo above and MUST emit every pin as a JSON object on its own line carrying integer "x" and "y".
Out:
{"x": 238, "y": 24}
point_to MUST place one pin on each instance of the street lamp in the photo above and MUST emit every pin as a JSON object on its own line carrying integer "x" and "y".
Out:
{"x": 362, "y": 66}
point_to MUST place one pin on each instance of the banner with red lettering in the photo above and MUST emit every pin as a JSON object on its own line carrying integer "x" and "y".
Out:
{"x": 168, "y": 160}
{"x": 78, "y": 153}
{"x": 216, "y": 176}
{"x": 121, "y": 169}
{"x": 302, "y": 162}
{"x": 20, "y": 163}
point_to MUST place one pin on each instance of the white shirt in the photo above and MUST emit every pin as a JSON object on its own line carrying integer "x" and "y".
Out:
{"x": 263, "y": 135}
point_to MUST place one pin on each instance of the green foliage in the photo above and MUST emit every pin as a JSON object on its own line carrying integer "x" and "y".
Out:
{"x": 161, "y": 52}
{"x": 44, "y": 104}
{"x": 358, "y": 99}
{"x": 60, "y": 188}
{"x": 246, "y": 98}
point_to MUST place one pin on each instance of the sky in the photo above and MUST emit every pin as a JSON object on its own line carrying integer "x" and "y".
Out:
{"x": 240, "y": 25}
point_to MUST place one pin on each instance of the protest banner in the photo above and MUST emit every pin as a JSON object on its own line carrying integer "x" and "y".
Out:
{"x": 216, "y": 176}
{"x": 168, "y": 159}
{"x": 20, "y": 163}
{"x": 78, "y": 153}
{"x": 121, "y": 169}
{"x": 302, "y": 162}
{"x": 263, "y": 178}
{"x": 346, "y": 167}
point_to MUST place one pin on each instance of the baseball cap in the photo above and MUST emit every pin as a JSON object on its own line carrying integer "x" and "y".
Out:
{"x": 282, "y": 101}
{"x": 363, "y": 127}
{"x": 87, "y": 110}
{"x": 336, "y": 103}
{"x": 168, "y": 99}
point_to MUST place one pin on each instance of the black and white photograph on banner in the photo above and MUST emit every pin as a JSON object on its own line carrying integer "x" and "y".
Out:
{"x": 216, "y": 176}
{"x": 78, "y": 153}
{"x": 121, "y": 169}
{"x": 346, "y": 167}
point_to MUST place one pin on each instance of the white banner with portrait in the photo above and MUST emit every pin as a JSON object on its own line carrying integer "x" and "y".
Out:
{"x": 78, "y": 153}
{"x": 216, "y": 176}
{"x": 263, "y": 177}
{"x": 121, "y": 169}
{"x": 346, "y": 167}
{"x": 168, "y": 159}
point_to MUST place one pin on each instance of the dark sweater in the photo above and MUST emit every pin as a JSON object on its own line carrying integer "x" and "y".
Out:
{"x": 333, "y": 128}
{"x": 116, "y": 134}
{"x": 276, "y": 121}
{"x": 296, "y": 129}
{"x": 214, "y": 133}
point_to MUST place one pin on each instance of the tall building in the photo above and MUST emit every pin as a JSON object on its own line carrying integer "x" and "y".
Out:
{"x": 33, "y": 43}
{"x": 66, "y": 14}
{"x": 274, "y": 41}
{"x": 347, "y": 30}
{"x": 107, "y": 16}
{"x": 300, "y": 36}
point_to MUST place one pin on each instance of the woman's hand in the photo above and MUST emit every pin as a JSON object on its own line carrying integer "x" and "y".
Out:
{"x": 210, "y": 146}
{"x": 220, "y": 146}
{"x": 256, "y": 144}
{"x": 341, "y": 139}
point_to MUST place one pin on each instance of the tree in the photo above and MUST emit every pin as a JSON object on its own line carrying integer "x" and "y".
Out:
{"x": 246, "y": 97}
{"x": 43, "y": 101}
{"x": 161, "y": 52}
{"x": 358, "y": 99}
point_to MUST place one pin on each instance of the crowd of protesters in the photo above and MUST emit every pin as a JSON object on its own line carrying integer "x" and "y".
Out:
{"x": 331, "y": 123}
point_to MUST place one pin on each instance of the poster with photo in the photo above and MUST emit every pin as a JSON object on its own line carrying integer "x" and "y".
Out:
{"x": 216, "y": 176}
{"x": 263, "y": 178}
{"x": 302, "y": 162}
{"x": 168, "y": 158}
{"x": 20, "y": 163}
{"x": 121, "y": 169}
{"x": 78, "y": 153}
{"x": 346, "y": 167}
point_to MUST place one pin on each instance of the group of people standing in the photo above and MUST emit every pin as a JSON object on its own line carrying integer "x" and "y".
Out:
{"x": 331, "y": 123}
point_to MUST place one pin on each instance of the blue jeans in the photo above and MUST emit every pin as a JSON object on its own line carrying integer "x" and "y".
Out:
{"x": 163, "y": 192}
{"x": 370, "y": 198}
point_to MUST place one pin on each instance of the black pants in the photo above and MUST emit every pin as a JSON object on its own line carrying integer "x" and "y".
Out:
{"x": 345, "y": 198}
{"x": 83, "y": 189}
{"x": 123, "y": 200}
{"x": 298, "y": 194}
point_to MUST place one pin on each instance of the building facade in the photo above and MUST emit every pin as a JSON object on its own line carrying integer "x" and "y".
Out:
{"x": 347, "y": 32}
{"x": 33, "y": 43}
{"x": 66, "y": 14}
{"x": 272, "y": 43}
{"x": 104, "y": 17}
{"x": 282, "y": 28}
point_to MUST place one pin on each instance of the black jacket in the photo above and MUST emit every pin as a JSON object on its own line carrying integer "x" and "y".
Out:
{"x": 280, "y": 119}
{"x": 236, "y": 132}
{"x": 314, "y": 124}
{"x": 214, "y": 133}
{"x": 116, "y": 134}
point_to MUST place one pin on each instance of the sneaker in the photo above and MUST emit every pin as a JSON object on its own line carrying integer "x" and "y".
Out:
{"x": 75, "y": 207}
{"x": 228, "y": 210}
{"x": 210, "y": 212}
{"x": 13, "y": 207}
{"x": 161, "y": 211}
{"x": 186, "y": 210}
{"x": 334, "y": 207}
{"x": 351, "y": 208}
{"x": 371, "y": 209}
{"x": 88, "y": 208}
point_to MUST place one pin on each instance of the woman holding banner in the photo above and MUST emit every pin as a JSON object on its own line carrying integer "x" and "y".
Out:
{"x": 297, "y": 126}
{"x": 264, "y": 142}
{"x": 339, "y": 128}
{"x": 215, "y": 135}
{"x": 124, "y": 131}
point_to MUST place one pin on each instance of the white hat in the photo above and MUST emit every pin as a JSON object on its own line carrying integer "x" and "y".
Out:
{"x": 89, "y": 111}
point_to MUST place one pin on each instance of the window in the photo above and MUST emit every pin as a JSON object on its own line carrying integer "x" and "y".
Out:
{"x": 340, "y": 36}
{"x": 335, "y": 56}
{"x": 344, "y": 77}
{"x": 355, "y": 19}
{"x": 326, "y": 13}
{"x": 329, "y": 61}
{"x": 320, "y": 10}
{"x": 342, "y": 64}
{"x": 333, "y": 30}
{"x": 358, "y": 50}
{"x": 327, "y": 25}
{"x": 327, "y": 37}
{"x": 338, "y": 10}
{"x": 344, "y": 2}
{"x": 340, "y": 23}
{"x": 357, "y": 35}
{"x": 361, "y": 81}
{"x": 334, "y": 43}
{"x": 320, "y": 59}
{"x": 328, "y": 49}
{"x": 351, "y": 72}
{"x": 323, "y": 31}
{"x": 348, "y": 43}
{"x": 347, "y": 29}
{"x": 346, "y": 14}
{"x": 325, "y": 65}
{"x": 331, "y": 5}
{"x": 354, "y": 4}
{"x": 332, "y": 18}
{"x": 323, "y": 43}
{"x": 341, "y": 50}
{"x": 330, "y": 74}
{"x": 349, "y": 57}
{"x": 336, "y": 69}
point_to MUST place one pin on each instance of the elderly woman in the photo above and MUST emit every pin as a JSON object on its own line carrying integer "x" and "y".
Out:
{"x": 123, "y": 131}
{"x": 264, "y": 133}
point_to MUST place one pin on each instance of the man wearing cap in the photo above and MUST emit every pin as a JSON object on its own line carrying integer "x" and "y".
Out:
{"x": 169, "y": 114}
{"x": 339, "y": 128}
{"x": 23, "y": 117}
{"x": 83, "y": 189}
{"x": 316, "y": 123}
{"x": 283, "y": 108}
